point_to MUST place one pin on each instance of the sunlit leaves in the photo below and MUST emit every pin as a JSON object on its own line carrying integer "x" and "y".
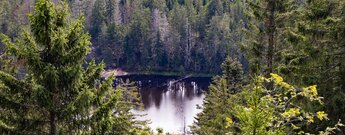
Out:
{"x": 276, "y": 110}
{"x": 230, "y": 122}
{"x": 292, "y": 112}
{"x": 321, "y": 115}
{"x": 311, "y": 93}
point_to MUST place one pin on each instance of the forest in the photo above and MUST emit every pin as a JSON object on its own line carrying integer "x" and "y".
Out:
{"x": 153, "y": 35}
{"x": 278, "y": 66}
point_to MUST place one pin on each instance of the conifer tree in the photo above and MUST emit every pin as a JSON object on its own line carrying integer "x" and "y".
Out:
{"x": 217, "y": 103}
{"x": 61, "y": 94}
{"x": 271, "y": 23}
{"x": 110, "y": 6}
{"x": 307, "y": 47}
{"x": 323, "y": 64}
{"x": 98, "y": 18}
{"x": 233, "y": 74}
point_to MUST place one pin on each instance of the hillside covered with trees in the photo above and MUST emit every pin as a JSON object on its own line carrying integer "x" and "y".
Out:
{"x": 280, "y": 63}
{"x": 153, "y": 35}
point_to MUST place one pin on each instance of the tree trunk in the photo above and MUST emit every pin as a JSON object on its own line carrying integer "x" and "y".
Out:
{"x": 53, "y": 119}
{"x": 52, "y": 123}
{"x": 342, "y": 71}
{"x": 270, "y": 25}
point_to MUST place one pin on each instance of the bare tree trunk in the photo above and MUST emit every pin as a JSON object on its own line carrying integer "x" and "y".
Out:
{"x": 270, "y": 25}
{"x": 52, "y": 123}
{"x": 53, "y": 118}
{"x": 342, "y": 70}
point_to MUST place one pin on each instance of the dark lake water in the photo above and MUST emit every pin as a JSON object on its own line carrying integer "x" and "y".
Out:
{"x": 170, "y": 101}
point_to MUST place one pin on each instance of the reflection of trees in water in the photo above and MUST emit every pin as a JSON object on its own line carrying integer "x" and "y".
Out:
{"x": 152, "y": 90}
{"x": 151, "y": 96}
{"x": 180, "y": 92}
{"x": 166, "y": 99}
{"x": 177, "y": 92}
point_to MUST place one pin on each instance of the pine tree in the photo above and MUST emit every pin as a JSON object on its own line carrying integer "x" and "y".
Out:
{"x": 136, "y": 44}
{"x": 271, "y": 22}
{"x": 233, "y": 73}
{"x": 307, "y": 48}
{"x": 10, "y": 17}
{"x": 61, "y": 94}
{"x": 113, "y": 46}
{"x": 216, "y": 105}
{"x": 110, "y": 6}
{"x": 323, "y": 30}
{"x": 98, "y": 18}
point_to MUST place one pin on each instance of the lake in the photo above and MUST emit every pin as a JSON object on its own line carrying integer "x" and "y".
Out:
{"x": 170, "y": 101}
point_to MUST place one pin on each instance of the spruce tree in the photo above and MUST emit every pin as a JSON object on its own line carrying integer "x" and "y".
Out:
{"x": 218, "y": 102}
{"x": 307, "y": 47}
{"x": 323, "y": 29}
{"x": 233, "y": 74}
{"x": 98, "y": 19}
{"x": 271, "y": 26}
{"x": 61, "y": 93}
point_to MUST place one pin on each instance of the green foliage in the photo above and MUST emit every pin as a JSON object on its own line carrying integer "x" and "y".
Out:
{"x": 98, "y": 18}
{"x": 323, "y": 29}
{"x": 233, "y": 74}
{"x": 278, "y": 110}
{"x": 258, "y": 109}
{"x": 190, "y": 33}
{"x": 271, "y": 36}
{"x": 300, "y": 40}
{"x": 213, "y": 116}
{"x": 307, "y": 49}
{"x": 219, "y": 101}
{"x": 167, "y": 35}
{"x": 11, "y": 17}
{"x": 58, "y": 94}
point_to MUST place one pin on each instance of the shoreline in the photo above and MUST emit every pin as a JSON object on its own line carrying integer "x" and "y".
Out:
{"x": 172, "y": 74}
{"x": 119, "y": 73}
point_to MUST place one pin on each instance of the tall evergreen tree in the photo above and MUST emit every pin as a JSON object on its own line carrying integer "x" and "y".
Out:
{"x": 323, "y": 63}
{"x": 217, "y": 103}
{"x": 271, "y": 22}
{"x": 233, "y": 73}
{"x": 59, "y": 95}
{"x": 98, "y": 18}
{"x": 110, "y": 6}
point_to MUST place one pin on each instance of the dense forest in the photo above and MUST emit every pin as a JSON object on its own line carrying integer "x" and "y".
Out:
{"x": 154, "y": 35}
{"x": 280, "y": 63}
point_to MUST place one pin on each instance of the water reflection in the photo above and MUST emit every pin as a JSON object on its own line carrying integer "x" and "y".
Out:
{"x": 170, "y": 102}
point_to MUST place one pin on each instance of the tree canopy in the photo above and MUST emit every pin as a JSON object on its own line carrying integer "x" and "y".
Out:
{"x": 279, "y": 64}
{"x": 61, "y": 93}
